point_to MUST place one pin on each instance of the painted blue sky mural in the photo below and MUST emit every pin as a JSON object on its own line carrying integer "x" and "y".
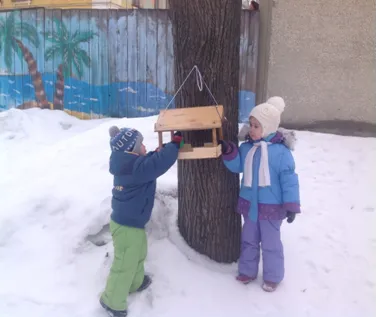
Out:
{"x": 116, "y": 63}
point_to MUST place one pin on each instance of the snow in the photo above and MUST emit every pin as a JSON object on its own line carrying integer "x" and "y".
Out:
{"x": 55, "y": 198}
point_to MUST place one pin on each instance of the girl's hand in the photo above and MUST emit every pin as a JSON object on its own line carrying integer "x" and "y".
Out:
{"x": 290, "y": 216}
{"x": 225, "y": 147}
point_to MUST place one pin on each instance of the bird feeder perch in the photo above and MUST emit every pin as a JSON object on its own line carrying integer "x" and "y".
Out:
{"x": 190, "y": 119}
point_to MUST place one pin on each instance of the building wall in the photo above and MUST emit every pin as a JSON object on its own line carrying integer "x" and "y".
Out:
{"x": 122, "y": 65}
{"x": 321, "y": 59}
{"x": 8, "y": 4}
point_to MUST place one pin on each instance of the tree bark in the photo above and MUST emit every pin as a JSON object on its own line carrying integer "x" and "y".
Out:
{"x": 59, "y": 89}
{"x": 36, "y": 77}
{"x": 207, "y": 34}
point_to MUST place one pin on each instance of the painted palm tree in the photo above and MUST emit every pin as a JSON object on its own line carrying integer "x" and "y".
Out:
{"x": 67, "y": 47}
{"x": 11, "y": 33}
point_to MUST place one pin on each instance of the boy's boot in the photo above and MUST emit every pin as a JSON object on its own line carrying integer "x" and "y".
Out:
{"x": 111, "y": 312}
{"x": 145, "y": 284}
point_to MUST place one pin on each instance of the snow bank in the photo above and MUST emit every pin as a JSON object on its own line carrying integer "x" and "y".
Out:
{"x": 55, "y": 250}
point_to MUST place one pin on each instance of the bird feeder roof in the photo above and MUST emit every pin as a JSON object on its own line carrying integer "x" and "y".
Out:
{"x": 190, "y": 118}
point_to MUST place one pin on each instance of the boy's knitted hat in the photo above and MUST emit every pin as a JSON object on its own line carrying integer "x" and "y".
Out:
{"x": 125, "y": 139}
{"x": 268, "y": 114}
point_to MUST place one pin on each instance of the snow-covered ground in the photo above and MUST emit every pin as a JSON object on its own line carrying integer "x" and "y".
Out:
{"x": 55, "y": 197}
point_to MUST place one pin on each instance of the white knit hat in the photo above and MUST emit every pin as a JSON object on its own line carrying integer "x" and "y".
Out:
{"x": 268, "y": 114}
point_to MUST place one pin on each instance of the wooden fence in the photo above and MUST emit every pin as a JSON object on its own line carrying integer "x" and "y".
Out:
{"x": 97, "y": 63}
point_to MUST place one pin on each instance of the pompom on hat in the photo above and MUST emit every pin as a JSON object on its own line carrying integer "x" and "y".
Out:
{"x": 125, "y": 139}
{"x": 268, "y": 114}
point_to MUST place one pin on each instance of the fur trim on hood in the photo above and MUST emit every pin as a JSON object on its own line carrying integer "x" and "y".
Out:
{"x": 289, "y": 136}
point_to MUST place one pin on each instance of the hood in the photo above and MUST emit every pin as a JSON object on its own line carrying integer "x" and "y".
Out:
{"x": 284, "y": 136}
{"x": 122, "y": 162}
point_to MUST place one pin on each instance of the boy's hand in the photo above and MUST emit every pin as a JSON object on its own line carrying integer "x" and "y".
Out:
{"x": 178, "y": 139}
{"x": 290, "y": 216}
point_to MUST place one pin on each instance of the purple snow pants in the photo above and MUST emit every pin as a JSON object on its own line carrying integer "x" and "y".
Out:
{"x": 267, "y": 234}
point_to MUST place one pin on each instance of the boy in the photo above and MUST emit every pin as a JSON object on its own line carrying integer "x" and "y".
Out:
{"x": 135, "y": 173}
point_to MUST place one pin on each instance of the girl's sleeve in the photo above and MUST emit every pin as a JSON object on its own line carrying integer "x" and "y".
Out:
{"x": 232, "y": 160}
{"x": 289, "y": 183}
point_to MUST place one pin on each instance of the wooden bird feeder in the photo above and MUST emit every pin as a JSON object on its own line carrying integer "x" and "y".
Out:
{"x": 190, "y": 119}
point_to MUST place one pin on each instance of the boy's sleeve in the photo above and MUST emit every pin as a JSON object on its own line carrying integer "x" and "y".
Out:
{"x": 155, "y": 164}
{"x": 232, "y": 160}
{"x": 289, "y": 183}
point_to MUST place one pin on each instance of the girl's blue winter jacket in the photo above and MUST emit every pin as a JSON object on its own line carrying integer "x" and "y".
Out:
{"x": 271, "y": 202}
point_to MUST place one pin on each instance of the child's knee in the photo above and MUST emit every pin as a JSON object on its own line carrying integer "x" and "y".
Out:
{"x": 251, "y": 233}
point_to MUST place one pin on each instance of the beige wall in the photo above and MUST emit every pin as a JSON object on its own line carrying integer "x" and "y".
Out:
{"x": 321, "y": 59}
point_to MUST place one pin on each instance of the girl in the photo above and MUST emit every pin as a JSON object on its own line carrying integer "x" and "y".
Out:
{"x": 269, "y": 192}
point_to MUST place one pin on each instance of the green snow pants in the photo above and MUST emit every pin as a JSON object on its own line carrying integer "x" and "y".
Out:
{"x": 127, "y": 270}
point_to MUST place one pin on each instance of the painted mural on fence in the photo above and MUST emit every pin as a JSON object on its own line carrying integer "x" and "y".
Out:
{"x": 99, "y": 63}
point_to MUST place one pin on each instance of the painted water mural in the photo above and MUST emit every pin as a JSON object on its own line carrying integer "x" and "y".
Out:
{"x": 101, "y": 63}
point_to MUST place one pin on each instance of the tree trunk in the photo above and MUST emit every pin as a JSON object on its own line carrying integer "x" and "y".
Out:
{"x": 59, "y": 89}
{"x": 207, "y": 34}
{"x": 36, "y": 77}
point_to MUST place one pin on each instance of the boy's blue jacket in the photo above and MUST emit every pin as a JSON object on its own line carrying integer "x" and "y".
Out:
{"x": 135, "y": 183}
{"x": 271, "y": 202}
